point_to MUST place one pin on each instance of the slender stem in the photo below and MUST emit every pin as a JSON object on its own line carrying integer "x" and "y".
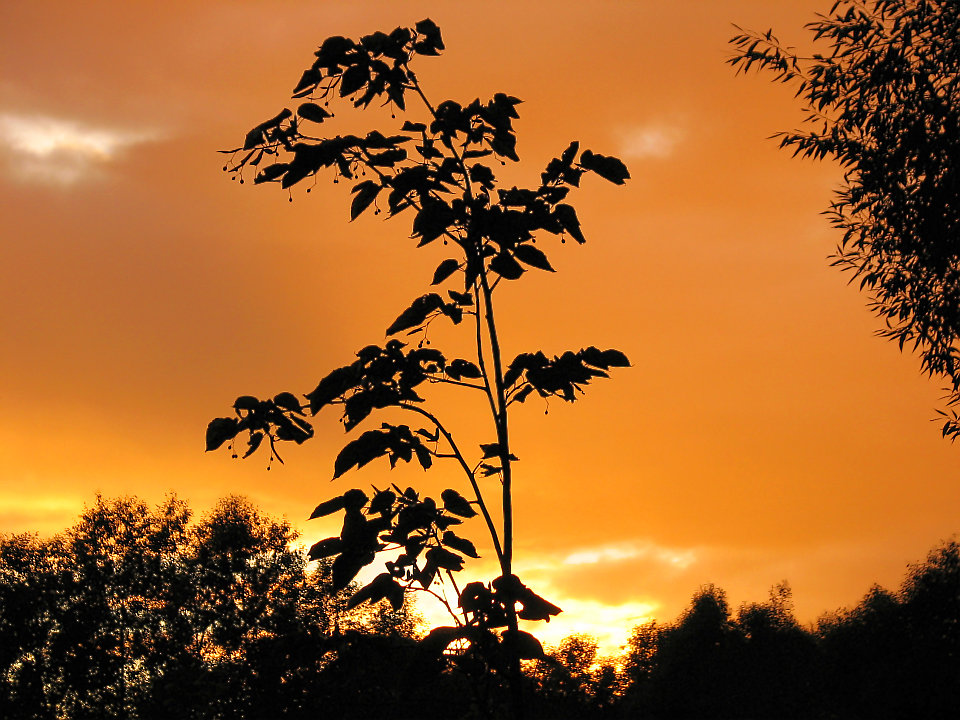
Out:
{"x": 503, "y": 435}
{"x": 480, "y": 358}
{"x": 491, "y": 526}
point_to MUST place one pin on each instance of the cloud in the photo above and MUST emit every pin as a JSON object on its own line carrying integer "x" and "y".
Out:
{"x": 657, "y": 140}
{"x": 638, "y": 550}
{"x": 50, "y": 150}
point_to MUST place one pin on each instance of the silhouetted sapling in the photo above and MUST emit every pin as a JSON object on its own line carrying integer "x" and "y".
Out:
{"x": 440, "y": 170}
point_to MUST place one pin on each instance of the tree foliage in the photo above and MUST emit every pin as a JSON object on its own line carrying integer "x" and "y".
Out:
{"x": 439, "y": 166}
{"x": 134, "y": 612}
{"x": 137, "y": 612}
{"x": 882, "y": 98}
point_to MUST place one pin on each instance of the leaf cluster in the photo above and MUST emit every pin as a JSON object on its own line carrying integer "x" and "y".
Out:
{"x": 415, "y": 530}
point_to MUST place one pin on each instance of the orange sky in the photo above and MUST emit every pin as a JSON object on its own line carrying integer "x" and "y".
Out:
{"x": 764, "y": 433}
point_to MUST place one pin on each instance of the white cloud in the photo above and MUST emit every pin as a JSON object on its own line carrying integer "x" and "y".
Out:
{"x": 46, "y": 149}
{"x": 620, "y": 552}
{"x": 657, "y": 140}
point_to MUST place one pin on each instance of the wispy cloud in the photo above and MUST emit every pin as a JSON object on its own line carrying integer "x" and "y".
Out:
{"x": 622, "y": 552}
{"x": 656, "y": 140}
{"x": 45, "y": 149}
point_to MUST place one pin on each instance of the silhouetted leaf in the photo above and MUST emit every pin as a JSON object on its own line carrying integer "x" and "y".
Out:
{"x": 462, "y": 369}
{"x": 328, "y": 507}
{"x": 254, "y": 442}
{"x": 369, "y": 446}
{"x": 462, "y": 299}
{"x": 450, "y": 539}
{"x": 220, "y": 430}
{"x": 445, "y": 559}
{"x": 246, "y": 402}
{"x": 366, "y": 193}
{"x": 506, "y": 266}
{"x": 332, "y": 386}
{"x": 346, "y": 567}
{"x": 445, "y": 270}
{"x": 354, "y": 499}
{"x": 532, "y": 256}
{"x": 325, "y": 548}
{"x": 566, "y": 215}
{"x": 312, "y": 111}
{"x": 490, "y": 450}
{"x": 354, "y": 78}
{"x": 271, "y": 172}
{"x": 287, "y": 401}
{"x": 375, "y": 591}
{"x": 416, "y": 313}
{"x": 609, "y": 168}
{"x": 454, "y": 502}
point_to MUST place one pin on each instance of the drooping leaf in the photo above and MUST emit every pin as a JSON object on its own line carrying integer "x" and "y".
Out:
{"x": 354, "y": 78}
{"x": 287, "y": 401}
{"x": 366, "y": 193}
{"x": 255, "y": 439}
{"x": 416, "y": 313}
{"x": 346, "y": 567}
{"x": 220, "y": 430}
{"x": 532, "y": 256}
{"x": 445, "y": 270}
{"x": 506, "y": 266}
{"x": 451, "y": 539}
{"x": 332, "y": 386}
{"x": 566, "y": 215}
{"x": 325, "y": 548}
{"x": 609, "y": 168}
{"x": 454, "y": 502}
{"x": 328, "y": 507}
{"x": 313, "y": 112}
{"x": 357, "y": 453}
{"x": 445, "y": 559}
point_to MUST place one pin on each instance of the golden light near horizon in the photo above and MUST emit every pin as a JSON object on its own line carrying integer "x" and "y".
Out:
{"x": 763, "y": 434}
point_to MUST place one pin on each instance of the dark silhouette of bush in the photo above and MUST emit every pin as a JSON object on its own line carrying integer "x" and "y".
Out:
{"x": 136, "y": 613}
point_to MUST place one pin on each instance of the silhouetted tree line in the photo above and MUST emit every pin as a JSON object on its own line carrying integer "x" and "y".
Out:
{"x": 138, "y": 613}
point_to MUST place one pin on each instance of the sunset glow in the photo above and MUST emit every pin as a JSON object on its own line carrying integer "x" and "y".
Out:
{"x": 764, "y": 433}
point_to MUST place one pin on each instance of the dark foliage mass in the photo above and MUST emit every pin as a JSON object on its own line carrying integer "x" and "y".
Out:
{"x": 137, "y": 613}
{"x": 882, "y": 97}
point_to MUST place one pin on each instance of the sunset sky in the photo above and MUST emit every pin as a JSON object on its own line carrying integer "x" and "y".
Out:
{"x": 764, "y": 433}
